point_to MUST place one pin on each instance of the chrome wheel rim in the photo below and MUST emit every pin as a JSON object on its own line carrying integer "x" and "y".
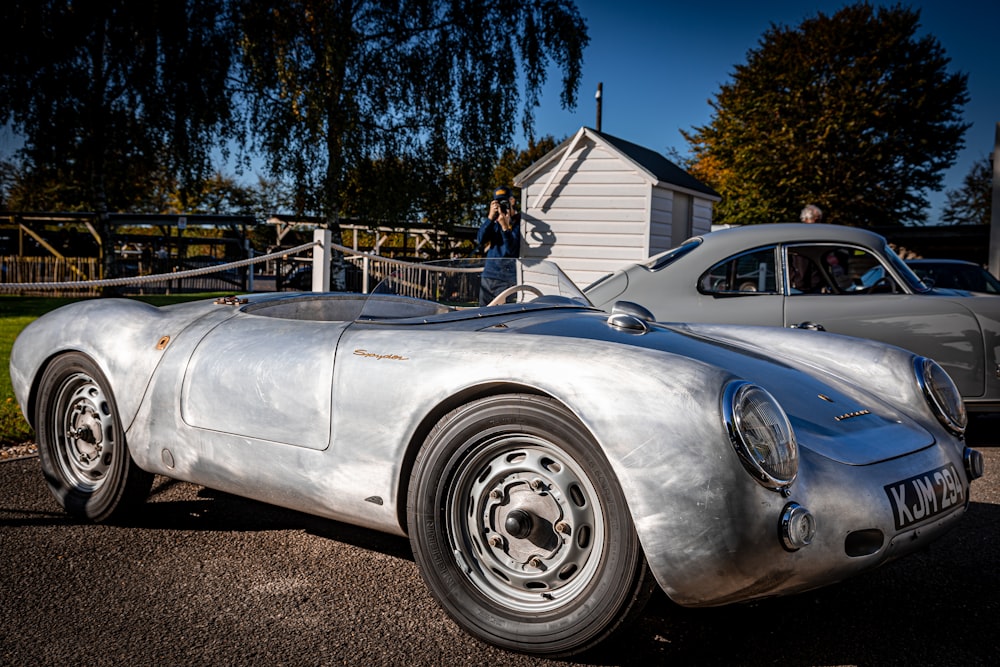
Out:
{"x": 526, "y": 524}
{"x": 84, "y": 429}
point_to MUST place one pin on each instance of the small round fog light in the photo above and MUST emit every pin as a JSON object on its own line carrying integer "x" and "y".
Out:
{"x": 798, "y": 527}
{"x": 974, "y": 465}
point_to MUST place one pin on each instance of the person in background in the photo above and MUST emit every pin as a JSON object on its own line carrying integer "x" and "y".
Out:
{"x": 804, "y": 275}
{"x": 811, "y": 213}
{"x": 499, "y": 239}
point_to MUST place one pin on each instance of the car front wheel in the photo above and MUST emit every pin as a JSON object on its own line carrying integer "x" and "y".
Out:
{"x": 520, "y": 529}
{"x": 81, "y": 442}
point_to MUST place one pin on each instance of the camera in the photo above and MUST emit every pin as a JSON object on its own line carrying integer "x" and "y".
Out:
{"x": 504, "y": 205}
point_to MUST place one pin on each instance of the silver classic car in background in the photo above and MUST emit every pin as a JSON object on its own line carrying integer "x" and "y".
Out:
{"x": 551, "y": 463}
{"x": 825, "y": 277}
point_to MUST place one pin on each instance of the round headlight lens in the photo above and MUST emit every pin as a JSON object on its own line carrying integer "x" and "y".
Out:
{"x": 761, "y": 434}
{"x": 941, "y": 394}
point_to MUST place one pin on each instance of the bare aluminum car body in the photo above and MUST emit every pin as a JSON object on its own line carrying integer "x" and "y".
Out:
{"x": 320, "y": 403}
{"x": 742, "y": 276}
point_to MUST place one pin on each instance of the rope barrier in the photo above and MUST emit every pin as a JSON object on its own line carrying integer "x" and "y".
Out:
{"x": 351, "y": 253}
{"x": 177, "y": 275}
{"x": 155, "y": 278}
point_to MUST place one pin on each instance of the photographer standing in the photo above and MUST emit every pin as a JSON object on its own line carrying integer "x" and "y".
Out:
{"x": 500, "y": 239}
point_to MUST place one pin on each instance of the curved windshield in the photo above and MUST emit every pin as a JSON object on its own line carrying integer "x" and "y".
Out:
{"x": 475, "y": 285}
{"x": 904, "y": 271}
{"x": 667, "y": 257}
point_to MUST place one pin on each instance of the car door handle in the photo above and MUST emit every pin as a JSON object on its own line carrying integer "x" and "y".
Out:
{"x": 809, "y": 326}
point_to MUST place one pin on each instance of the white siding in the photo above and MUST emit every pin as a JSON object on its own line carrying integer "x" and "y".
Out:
{"x": 661, "y": 221}
{"x": 701, "y": 218}
{"x": 602, "y": 211}
{"x": 593, "y": 217}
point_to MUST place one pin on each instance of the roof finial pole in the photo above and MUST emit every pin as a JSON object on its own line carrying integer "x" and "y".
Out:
{"x": 600, "y": 85}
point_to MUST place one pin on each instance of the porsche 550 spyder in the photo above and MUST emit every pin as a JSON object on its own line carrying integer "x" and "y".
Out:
{"x": 550, "y": 463}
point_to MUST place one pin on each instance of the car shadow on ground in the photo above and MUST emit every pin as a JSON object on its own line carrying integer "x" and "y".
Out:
{"x": 219, "y": 511}
{"x": 935, "y": 607}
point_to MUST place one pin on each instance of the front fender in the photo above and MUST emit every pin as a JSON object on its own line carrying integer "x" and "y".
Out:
{"x": 125, "y": 338}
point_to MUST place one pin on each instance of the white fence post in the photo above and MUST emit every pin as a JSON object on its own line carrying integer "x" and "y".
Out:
{"x": 249, "y": 251}
{"x": 321, "y": 260}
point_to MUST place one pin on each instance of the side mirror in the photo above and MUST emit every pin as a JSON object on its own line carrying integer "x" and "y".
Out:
{"x": 633, "y": 309}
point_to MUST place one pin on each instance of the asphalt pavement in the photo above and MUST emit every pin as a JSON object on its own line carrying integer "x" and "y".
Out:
{"x": 210, "y": 579}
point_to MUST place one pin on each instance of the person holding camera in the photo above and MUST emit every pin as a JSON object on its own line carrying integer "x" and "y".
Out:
{"x": 499, "y": 238}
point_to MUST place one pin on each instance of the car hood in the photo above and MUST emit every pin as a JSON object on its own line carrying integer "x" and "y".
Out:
{"x": 832, "y": 414}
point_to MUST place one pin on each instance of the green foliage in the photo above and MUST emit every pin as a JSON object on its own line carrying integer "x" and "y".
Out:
{"x": 419, "y": 93}
{"x": 111, "y": 97}
{"x": 386, "y": 111}
{"x": 851, "y": 112}
{"x": 972, "y": 204}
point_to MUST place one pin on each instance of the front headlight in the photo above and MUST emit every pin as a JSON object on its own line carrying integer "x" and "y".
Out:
{"x": 761, "y": 434}
{"x": 942, "y": 394}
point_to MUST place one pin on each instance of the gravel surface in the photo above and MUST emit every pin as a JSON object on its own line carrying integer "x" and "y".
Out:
{"x": 10, "y": 452}
{"x": 206, "y": 578}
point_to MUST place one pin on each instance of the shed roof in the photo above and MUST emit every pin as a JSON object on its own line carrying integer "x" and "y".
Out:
{"x": 656, "y": 165}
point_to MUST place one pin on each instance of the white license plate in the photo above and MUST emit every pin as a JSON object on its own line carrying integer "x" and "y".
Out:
{"x": 926, "y": 495}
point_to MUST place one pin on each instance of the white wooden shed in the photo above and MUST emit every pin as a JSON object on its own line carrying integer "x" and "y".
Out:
{"x": 596, "y": 202}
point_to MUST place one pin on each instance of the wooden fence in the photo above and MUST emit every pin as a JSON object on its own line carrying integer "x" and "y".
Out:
{"x": 15, "y": 269}
{"x": 364, "y": 273}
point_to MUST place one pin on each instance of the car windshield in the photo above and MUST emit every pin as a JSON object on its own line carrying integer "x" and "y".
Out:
{"x": 954, "y": 275}
{"x": 904, "y": 271}
{"x": 468, "y": 287}
{"x": 657, "y": 262}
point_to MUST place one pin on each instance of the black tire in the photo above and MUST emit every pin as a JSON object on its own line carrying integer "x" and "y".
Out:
{"x": 520, "y": 529}
{"x": 81, "y": 442}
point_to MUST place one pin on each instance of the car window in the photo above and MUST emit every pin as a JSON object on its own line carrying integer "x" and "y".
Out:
{"x": 835, "y": 269}
{"x": 749, "y": 273}
{"x": 904, "y": 271}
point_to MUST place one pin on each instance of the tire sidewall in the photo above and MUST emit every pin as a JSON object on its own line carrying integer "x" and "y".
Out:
{"x": 122, "y": 476}
{"x": 591, "y": 616}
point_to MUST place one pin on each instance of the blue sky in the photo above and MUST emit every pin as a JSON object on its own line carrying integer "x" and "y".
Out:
{"x": 661, "y": 62}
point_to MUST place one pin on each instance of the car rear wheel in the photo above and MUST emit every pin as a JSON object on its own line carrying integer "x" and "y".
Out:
{"x": 81, "y": 442}
{"x": 520, "y": 529}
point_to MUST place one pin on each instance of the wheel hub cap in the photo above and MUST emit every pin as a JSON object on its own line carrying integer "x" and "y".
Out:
{"x": 530, "y": 513}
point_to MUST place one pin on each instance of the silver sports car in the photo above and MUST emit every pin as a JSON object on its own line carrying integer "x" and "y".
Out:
{"x": 828, "y": 277}
{"x": 551, "y": 463}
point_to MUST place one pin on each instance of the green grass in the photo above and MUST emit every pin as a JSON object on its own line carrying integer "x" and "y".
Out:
{"x": 17, "y": 312}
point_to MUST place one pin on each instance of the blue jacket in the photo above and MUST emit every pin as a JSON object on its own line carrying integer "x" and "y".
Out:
{"x": 500, "y": 244}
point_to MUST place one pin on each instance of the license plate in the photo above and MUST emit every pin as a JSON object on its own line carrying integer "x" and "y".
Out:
{"x": 926, "y": 495}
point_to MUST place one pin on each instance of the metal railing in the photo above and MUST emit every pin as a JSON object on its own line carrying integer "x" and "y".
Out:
{"x": 364, "y": 272}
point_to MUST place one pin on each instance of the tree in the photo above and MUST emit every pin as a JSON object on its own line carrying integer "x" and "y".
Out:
{"x": 851, "y": 111}
{"x": 513, "y": 161}
{"x": 437, "y": 84}
{"x": 972, "y": 204}
{"x": 113, "y": 96}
